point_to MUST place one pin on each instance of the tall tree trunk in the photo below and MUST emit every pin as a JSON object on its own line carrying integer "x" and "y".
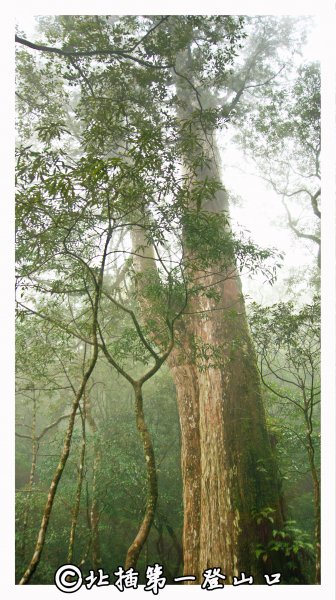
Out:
{"x": 231, "y": 491}
{"x": 238, "y": 472}
{"x": 229, "y": 471}
{"x": 184, "y": 374}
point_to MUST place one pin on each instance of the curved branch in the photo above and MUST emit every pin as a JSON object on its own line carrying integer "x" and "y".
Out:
{"x": 136, "y": 324}
{"x": 307, "y": 236}
{"x": 82, "y": 53}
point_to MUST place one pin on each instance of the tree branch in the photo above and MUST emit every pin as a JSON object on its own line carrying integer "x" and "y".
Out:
{"x": 82, "y": 53}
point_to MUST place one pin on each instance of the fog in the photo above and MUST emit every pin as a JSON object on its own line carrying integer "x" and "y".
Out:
{"x": 156, "y": 392}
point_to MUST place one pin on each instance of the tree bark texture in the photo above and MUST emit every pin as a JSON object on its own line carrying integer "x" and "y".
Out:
{"x": 238, "y": 474}
{"x": 185, "y": 377}
{"x": 223, "y": 437}
{"x": 229, "y": 472}
{"x": 239, "y": 478}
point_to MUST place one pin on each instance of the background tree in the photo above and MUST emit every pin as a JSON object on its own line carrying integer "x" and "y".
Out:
{"x": 281, "y": 135}
{"x": 288, "y": 344}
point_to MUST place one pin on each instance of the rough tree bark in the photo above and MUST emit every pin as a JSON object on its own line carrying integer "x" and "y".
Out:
{"x": 228, "y": 468}
{"x": 184, "y": 375}
{"x": 238, "y": 474}
{"x": 239, "y": 477}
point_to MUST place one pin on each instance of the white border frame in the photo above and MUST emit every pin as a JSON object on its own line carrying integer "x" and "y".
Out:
{"x": 325, "y": 11}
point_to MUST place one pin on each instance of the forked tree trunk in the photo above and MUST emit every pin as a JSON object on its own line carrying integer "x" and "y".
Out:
{"x": 238, "y": 475}
{"x": 228, "y": 468}
{"x": 231, "y": 491}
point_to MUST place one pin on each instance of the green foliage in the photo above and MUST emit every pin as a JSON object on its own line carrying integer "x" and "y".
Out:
{"x": 221, "y": 247}
{"x": 266, "y": 514}
{"x": 293, "y": 332}
{"x": 290, "y": 541}
{"x": 121, "y": 479}
{"x": 288, "y": 344}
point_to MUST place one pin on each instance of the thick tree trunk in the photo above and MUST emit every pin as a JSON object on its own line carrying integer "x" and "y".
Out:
{"x": 238, "y": 474}
{"x": 185, "y": 378}
{"x": 184, "y": 374}
{"x": 229, "y": 472}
